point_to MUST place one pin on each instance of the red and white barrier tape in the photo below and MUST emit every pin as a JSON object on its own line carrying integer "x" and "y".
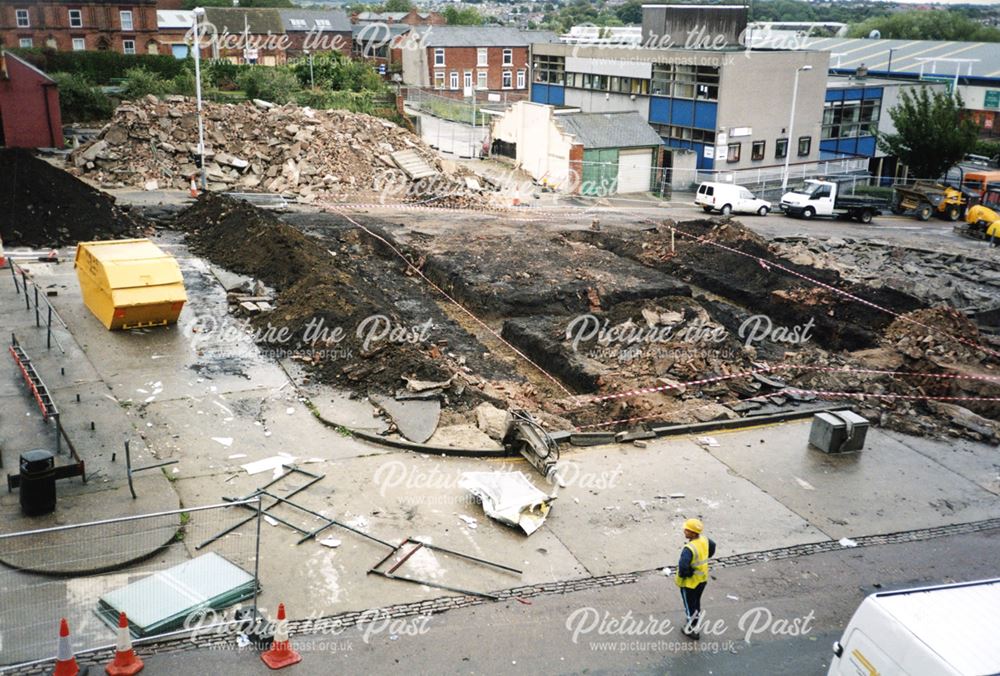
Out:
{"x": 767, "y": 265}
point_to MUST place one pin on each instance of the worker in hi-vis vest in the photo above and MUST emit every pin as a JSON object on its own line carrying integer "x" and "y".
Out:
{"x": 692, "y": 573}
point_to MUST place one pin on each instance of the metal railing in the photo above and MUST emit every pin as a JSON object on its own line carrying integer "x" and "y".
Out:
{"x": 66, "y": 571}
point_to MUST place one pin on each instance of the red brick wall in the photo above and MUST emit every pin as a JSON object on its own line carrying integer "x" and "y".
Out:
{"x": 461, "y": 59}
{"x": 101, "y": 26}
{"x": 576, "y": 166}
{"x": 29, "y": 108}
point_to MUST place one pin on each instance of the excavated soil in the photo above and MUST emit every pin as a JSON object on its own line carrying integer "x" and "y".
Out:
{"x": 31, "y": 215}
{"x": 339, "y": 280}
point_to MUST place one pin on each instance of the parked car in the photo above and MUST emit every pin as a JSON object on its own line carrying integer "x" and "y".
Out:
{"x": 945, "y": 630}
{"x": 727, "y": 198}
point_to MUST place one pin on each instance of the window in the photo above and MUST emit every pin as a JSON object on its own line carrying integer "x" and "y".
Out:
{"x": 79, "y": 44}
{"x": 550, "y": 69}
{"x": 481, "y": 56}
{"x": 733, "y": 152}
{"x": 22, "y": 19}
{"x": 323, "y": 23}
{"x": 439, "y": 80}
{"x": 297, "y": 23}
{"x": 805, "y": 144}
{"x": 507, "y": 79}
{"x": 25, "y": 43}
{"x": 757, "y": 150}
{"x": 781, "y": 149}
{"x": 126, "y": 19}
{"x": 849, "y": 119}
{"x": 686, "y": 82}
{"x": 481, "y": 79}
{"x": 467, "y": 79}
{"x": 508, "y": 57}
{"x": 520, "y": 79}
{"x": 128, "y": 46}
{"x": 454, "y": 79}
{"x": 438, "y": 57}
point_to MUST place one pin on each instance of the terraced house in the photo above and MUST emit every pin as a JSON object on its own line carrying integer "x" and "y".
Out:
{"x": 126, "y": 26}
{"x": 457, "y": 59}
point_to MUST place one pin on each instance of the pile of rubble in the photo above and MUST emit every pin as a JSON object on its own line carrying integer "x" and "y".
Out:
{"x": 934, "y": 277}
{"x": 313, "y": 155}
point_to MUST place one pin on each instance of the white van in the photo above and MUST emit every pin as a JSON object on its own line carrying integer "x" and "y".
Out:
{"x": 727, "y": 198}
{"x": 948, "y": 630}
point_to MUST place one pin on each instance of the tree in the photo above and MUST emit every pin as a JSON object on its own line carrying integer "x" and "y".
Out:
{"x": 931, "y": 135}
{"x": 630, "y": 12}
{"x": 467, "y": 16}
{"x": 927, "y": 25}
{"x": 397, "y": 6}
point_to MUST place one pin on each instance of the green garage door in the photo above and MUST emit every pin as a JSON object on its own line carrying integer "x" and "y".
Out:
{"x": 600, "y": 172}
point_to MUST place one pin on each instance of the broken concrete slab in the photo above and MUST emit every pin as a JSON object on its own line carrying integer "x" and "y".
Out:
{"x": 415, "y": 419}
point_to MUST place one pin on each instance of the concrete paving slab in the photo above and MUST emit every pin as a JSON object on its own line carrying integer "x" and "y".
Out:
{"x": 390, "y": 497}
{"x": 415, "y": 419}
{"x": 885, "y": 488}
{"x": 215, "y": 433}
{"x": 616, "y": 516}
{"x": 976, "y": 462}
{"x": 205, "y": 344}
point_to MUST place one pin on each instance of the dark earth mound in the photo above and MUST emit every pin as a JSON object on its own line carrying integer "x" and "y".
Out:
{"x": 44, "y": 206}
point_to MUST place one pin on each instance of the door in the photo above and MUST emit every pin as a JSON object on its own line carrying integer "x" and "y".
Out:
{"x": 635, "y": 167}
{"x": 600, "y": 172}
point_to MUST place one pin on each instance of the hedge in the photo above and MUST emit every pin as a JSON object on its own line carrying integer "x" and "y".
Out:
{"x": 101, "y": 67}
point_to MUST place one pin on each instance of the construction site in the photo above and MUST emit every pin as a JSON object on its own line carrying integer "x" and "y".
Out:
{"x": 367, "y": 365}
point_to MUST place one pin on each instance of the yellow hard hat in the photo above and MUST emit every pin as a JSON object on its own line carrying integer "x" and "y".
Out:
{"x": 694, "y": 525}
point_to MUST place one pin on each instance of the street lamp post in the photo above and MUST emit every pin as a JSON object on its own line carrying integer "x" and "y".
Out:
{"x": 199, "y": 12}
{"x": 791, "y": 125}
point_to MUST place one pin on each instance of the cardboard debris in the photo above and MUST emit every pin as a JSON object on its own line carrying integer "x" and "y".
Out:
{"x": 509, "y": 497}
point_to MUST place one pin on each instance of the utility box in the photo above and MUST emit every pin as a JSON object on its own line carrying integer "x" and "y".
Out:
{"x": 38, "y": 482}
{"x": 838, "y": 431}
{"x": 129, "y": 283}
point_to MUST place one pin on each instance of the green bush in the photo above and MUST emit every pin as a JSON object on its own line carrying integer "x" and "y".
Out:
{"x": 101, "y": 67}
{"x": 336, "y": 72}
{"x": 223, "y": 74}
{"x": 80, "y": 100}
{"x": 277, "y": 85}
{"x": 140, "y": 82}
{"x": 989, "y": 149}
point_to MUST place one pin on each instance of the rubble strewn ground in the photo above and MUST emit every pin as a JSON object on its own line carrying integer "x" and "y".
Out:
{"x": 313, "y": 155}
{"x": 549, "y": 301}
{"x": 935, "y": 277}
{"x": 43, "y": 206}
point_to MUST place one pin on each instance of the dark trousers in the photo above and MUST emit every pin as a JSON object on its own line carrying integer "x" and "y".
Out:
{"x": 692, "y": 605}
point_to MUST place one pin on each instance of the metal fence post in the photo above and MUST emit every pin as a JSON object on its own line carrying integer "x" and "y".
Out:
{"x": 38, "y": 321}
{"x": 13, "y": 275}
{"x": 24, "y": 283}
{"x": 256, "y": 559}
{"x": 48, "y": 331}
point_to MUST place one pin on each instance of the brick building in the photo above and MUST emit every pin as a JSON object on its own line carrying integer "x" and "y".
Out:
{"x": 126, "y": 26}
{"x": 486, "y": 59}
{"x": 29, "y": 106}
{"x": 244, "y": 35}
{"x": 316, "y": 31}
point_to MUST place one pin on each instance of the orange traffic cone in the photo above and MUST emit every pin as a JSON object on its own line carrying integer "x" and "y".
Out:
{"x": 281, "y": 654}
{"x": 126, "y": 662}
{"x": 65, "y": 659}
{"x": 194, "y": 187}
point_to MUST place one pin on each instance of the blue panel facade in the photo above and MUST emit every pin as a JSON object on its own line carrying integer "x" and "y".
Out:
{"x": 705, "y": 114}
{"x": 659, "y": 110}
{"x": 682, "y": 113}
{"x": 554, "y": 95}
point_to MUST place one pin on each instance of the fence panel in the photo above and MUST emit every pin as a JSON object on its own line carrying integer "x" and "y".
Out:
{"x": 66, "y": 571}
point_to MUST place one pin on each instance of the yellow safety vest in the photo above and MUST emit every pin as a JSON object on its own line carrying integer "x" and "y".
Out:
{"x": 699, "y": 564}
